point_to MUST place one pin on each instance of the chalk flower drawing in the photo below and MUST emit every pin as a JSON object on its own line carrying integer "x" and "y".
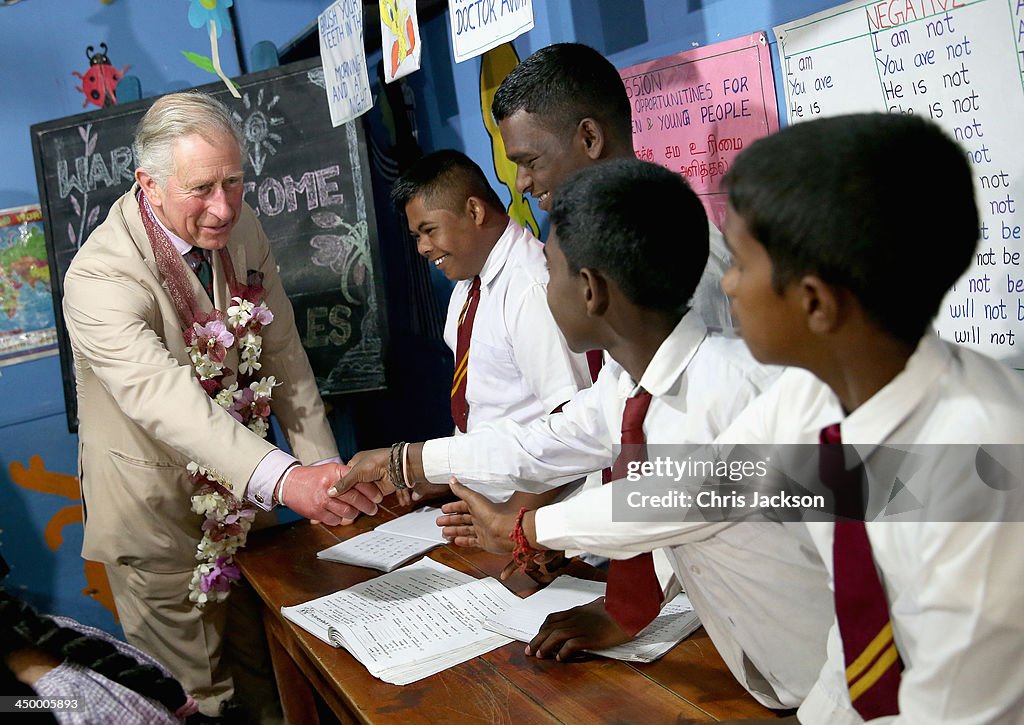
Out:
{"x": 87, "y": 217}
{"x": 346, "y": 253}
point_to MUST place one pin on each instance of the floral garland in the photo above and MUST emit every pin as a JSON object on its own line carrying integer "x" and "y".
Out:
{"x": 227, "y": 519}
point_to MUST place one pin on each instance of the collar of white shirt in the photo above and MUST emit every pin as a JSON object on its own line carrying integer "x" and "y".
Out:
{"x": 670, "y": 360}
{"x": 500, "y": 253}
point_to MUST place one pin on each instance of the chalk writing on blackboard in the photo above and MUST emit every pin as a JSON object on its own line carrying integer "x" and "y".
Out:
{"x": 307, "y": 181}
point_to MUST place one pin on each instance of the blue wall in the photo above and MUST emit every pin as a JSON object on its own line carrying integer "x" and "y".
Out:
{"x": 43, "y": 41}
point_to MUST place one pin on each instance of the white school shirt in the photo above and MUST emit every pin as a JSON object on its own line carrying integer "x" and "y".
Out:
{"x": 729, "y": 570}
{"x": 699, "y": 383}
{"x": 520, "y": 367}
{"x": 955, "y": 590}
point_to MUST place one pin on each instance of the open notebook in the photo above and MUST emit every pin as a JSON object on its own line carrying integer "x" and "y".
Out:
{"x": 523, "y": 619}
{"x": 390, "y": 545}
{"x": 411, "y": 623}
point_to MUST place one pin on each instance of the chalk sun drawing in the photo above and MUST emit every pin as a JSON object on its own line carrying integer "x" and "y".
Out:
{"x": 256, "y": 127}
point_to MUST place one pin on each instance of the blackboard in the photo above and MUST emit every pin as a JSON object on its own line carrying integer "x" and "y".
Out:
{"x": 308, "y": 182}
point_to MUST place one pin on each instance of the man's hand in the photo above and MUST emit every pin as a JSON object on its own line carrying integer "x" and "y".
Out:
{"x": 489, "y": 523}
{"x": 366, "y": 467}
{"x": 306, "y": 493}
{"x": 564, "y": 634}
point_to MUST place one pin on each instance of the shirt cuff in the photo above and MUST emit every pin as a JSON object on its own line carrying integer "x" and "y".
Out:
{"x": 550, "y": 527}
{"x": 260, "y": 490}
{"x": 436, "y": 460}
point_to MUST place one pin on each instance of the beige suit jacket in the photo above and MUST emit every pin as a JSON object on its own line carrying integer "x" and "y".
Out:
{"x": 142, "y": 414}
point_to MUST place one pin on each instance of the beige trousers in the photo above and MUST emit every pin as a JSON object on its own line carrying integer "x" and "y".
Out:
{"x": 218, "y": 653}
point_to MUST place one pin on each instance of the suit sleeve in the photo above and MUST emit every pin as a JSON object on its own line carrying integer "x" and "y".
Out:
{"x": 112, "y": 320}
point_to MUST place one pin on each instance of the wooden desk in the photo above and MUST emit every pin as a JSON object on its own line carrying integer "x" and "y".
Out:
{"x": 691, "y": 684}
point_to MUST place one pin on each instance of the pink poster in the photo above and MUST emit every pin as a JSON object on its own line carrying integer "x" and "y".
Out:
{"x": 695, "y": 110}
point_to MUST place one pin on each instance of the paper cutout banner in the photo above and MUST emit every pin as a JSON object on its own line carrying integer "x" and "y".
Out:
{"x": 341, "y": 48}
{"x": 695, "y": 110}
{"x": 479, "y": 25}
{"x": 400, "y": 38}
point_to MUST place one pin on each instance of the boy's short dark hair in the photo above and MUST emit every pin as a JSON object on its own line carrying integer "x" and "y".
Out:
{"x": 565, "y": 83}
{"x": 444, "y": 179}
{"x": 880, "y": 204}
{"x": 637, "y": 223}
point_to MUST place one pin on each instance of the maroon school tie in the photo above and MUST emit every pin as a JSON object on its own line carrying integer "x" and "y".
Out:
{"x": 460, "y": 408}
{"x": 199, "y": 262}
{"x": 633, "y": 596}
{"x": 873, "y": 664}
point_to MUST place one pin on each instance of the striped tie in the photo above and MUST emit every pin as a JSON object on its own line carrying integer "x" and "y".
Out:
{"x": 633, "y": 596}
{"x": 873, "y": 664}
{"x": 460, "y": 408}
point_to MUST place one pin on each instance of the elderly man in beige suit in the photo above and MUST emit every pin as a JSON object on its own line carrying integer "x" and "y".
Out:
{"x": 149, "y": 430}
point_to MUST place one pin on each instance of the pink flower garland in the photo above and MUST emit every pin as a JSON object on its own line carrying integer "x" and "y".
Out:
{"x": 227, "y": 519}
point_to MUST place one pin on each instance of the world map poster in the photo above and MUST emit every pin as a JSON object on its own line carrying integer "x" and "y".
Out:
{"x": 27, "y": 327}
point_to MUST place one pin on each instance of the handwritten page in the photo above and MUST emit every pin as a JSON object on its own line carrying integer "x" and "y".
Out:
{"x": 694, "y": 111}
{"x": 411, "y": 623}
{"x": 390, "y": 545}
{"x": 523, "y": 619}
{"x": 341, "y": 48}
{"x": 957, "y": 63}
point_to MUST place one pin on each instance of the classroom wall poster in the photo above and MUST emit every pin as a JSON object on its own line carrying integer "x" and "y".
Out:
{"x": 400, "y": 38}
{"x": 27, "y": 325}
{"x": 479, "y": 25}
{"x": 955, "y": 62}
{"x": 694, "y": 111}
{"x": 341, "y": 48}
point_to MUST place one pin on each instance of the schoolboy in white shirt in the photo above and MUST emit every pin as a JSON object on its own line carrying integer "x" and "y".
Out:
{"x": 511, "y": 361}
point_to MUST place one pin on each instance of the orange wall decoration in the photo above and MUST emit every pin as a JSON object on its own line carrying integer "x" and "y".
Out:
{"x": 37, "y": 478}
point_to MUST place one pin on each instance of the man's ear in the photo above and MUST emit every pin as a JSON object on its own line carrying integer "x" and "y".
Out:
{"x": 591, "y": 137}
{"x": 824, "y": 305}
{"x": 476, "y": 209}
{"x": 149, "y": 187}
{"x": 594, "y": 288}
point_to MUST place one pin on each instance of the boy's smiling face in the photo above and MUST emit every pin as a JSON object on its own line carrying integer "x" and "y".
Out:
{"x": 449, "y": 240}
{"x": 769, "y": 322}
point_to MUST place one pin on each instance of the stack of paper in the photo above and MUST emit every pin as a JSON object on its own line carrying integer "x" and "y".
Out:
{"x": 523, "y": 620}
{"x": 411, "y": 623}
{"x": 390, "y": 545}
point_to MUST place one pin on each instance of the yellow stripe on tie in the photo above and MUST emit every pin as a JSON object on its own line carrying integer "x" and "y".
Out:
{"x": 881, "y": 640}
{"x": 875, "y": 673}
{"x": 462, "y": 365}
{"x": 458, "y": 381}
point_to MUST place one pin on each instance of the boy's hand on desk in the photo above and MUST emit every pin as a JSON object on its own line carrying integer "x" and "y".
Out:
{"x": 564, "y": 634}
{"x": 478, "y": 521}
{"x": 456, "y": 523}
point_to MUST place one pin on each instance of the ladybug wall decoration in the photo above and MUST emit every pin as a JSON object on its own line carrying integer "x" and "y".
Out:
{"x": 100, "y": 81}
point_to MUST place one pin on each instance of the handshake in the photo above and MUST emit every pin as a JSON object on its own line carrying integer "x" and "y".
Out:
{"x": 335, "y": 493}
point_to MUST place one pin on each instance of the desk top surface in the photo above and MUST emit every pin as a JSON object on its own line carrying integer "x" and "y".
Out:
{"x": 689, "y": 684}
